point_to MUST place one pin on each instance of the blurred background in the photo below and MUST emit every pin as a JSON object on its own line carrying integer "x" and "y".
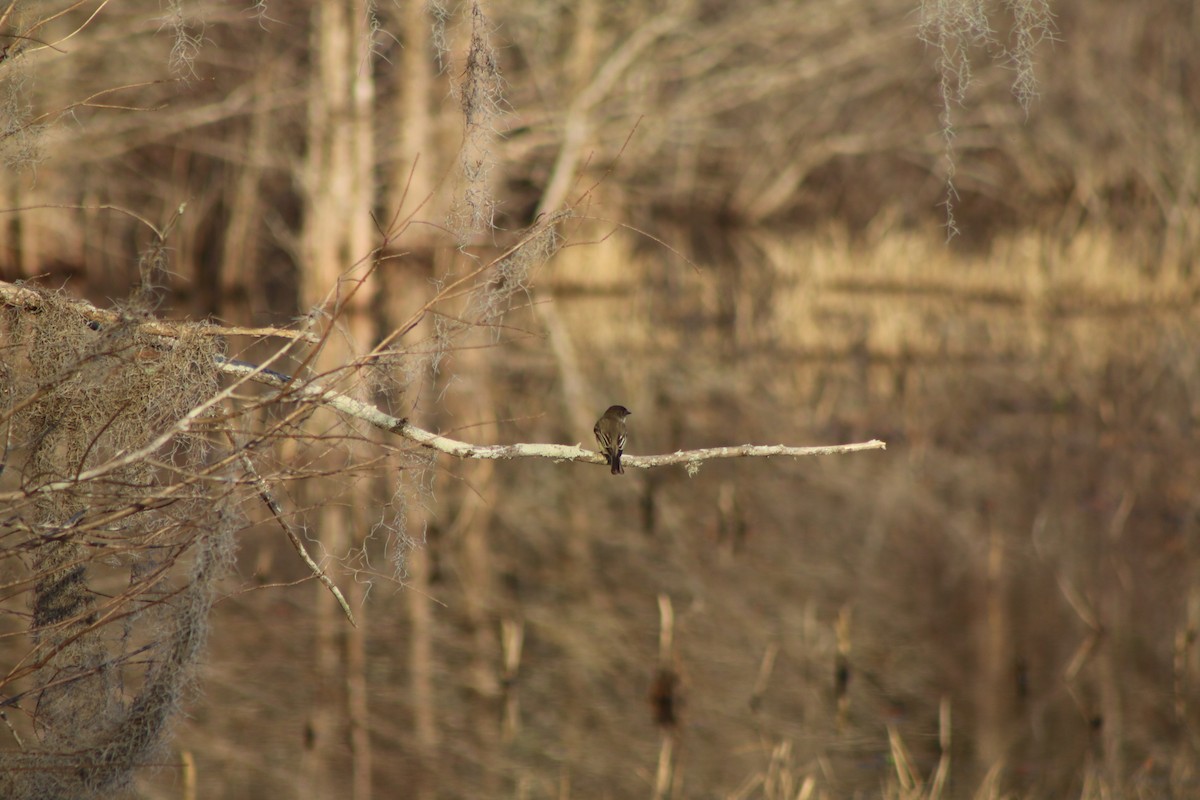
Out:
{"x": 1003, "y": 603}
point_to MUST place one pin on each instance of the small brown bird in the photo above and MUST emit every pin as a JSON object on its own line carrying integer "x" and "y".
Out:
{"x": 610, "y": 435}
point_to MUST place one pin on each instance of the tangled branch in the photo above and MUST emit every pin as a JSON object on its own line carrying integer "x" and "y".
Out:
{"x": 314, "y": 391}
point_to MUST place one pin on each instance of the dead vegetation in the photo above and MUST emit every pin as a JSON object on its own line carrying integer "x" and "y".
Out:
{"x": 1003, "y": 604}
{"x": 110, "y": 563}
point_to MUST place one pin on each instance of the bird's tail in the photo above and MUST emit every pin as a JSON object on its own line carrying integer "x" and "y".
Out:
{"x": 617, "y": 469}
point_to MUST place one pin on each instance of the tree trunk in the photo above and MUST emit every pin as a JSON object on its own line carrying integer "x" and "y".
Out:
{"x": 339, "y": 200}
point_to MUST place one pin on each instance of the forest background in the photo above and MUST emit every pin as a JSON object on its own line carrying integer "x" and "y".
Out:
{"x": 966, "y": 228}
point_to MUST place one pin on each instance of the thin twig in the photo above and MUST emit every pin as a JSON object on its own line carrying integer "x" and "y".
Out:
{"x": 264, "y": 491}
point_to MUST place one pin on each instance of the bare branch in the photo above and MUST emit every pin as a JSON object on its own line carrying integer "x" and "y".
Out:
{"x": 12, "y": 294}
{"x": 264, "y": 492}
{"x": 315, "y": 392}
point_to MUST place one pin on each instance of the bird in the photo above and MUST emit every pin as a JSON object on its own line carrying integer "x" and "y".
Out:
{"x": 610, "y": 435}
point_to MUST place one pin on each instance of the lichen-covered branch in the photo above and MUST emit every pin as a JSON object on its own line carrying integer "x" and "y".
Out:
{"x": 315, "y": 392}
